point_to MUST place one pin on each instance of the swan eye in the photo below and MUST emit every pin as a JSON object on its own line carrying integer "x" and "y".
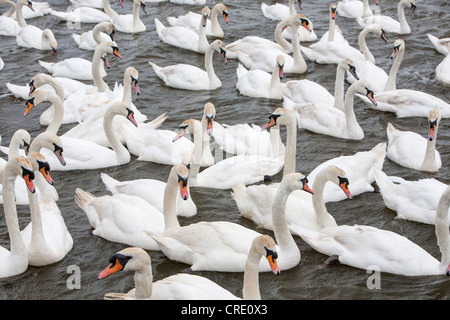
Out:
{"x": 119, "y": 258}
{"x": 43, "y": 166}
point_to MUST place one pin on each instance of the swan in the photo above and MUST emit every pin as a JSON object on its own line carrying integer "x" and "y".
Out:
{"x": 88, "y": 3}
{"x": 15, "y": 260}
{"x": 8, "y": 25}
{"x": 280, "y": 11}
{"x": 185, "y": 38}
{"x": 399, "y": 195}
{"x": 38, "y": 9}
{"x": 187, "y": 286}
{"x": 443, "y": 71}
{"x": 30, "y": 36}
{"x": 307, "y": 91}
{"x": 365, "y": 246}
{"x": 303, "y": 33}
{"x": 302, "y": 208}
{"x": 328, "y": 120}
{"x": 189, "y": 77}
{"x": 81, "y": 14}
{"x": 353, "y": 8}
{"x": 260, "y": 84}
{"x": 83, "y": 154}
{"x": 90, "y": 39}
{"x": 411, "y": 150}
{"x": 130, "y": 23}
{"x": 189, "y": 2}
{"x": 46, "y": 236}
{"x": 389, "y": 24}
{"x": 406, "y": 102}
{"x": 262, "y": 55}
{"x": 441, "y": 45}
{"x": 125, "y": 218}
{"x": 190, "y": 20}
{"x": 230, "y": 171}
{"x": 203, "y": 245}
{"x": 333, "y": 33}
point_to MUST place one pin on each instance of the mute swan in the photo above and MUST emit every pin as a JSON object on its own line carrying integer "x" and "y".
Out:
{"x": 88, "y": 3}
{"x": 303, "y": 33}
{"x": 81, "y": 14}
{"x": 353, "y": 8}
{"x": 303, "y": 209}
{"x": 307, "y": 91}
{"x": 441, "y": 45}
{"x": 89, "y": 40}
{"x": 443, "y": 71}
{"x": 262, "y": 55}
{"x": 39, "y": 9}
{"x": 389, "y": 24}
{"x": 15, "y": 260}
{"x": 187, "y": 286}
{"x": 188, "y": 77}
{"x": 402, "y": 196}
{"x": 333, "y": 33}
{"x": 280, "y": 11}
{"x": 8, "y": 25}
{"x": 411, "y": 150}
{"x": 328, "y": 120}
{"x": 366, "y": 246}
{"x": 46, "y": 236}
{"x": 124, "y": 218}
{"x": 30, "y": 36}
{"x": 130, "y": 23}
{"x": 203, "y": 245}
{"x": 185, "y": 38}
{"x": 191, "y": 19}
{"x": 260, "y": 84}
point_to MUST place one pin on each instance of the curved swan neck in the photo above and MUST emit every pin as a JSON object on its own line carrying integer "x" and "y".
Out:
{"x": 11, "y": 10}
{"x": 363, "y": 45}
{"x": 143, "y": 281}
{"x": 122, "y": 153}
{"x": 350, "y": 117}
{"x": 98, "y": 80}
{"x": 391, "y": 83}
{"x": 339, "y": 86}
{"x": 107, "y": 8}
{"x": 59, "y": 89}
{"x": 19, "y": 16}
{"x": 54, "y": 126}
{"x": 299, "y": 61}
{"x": 209, "y": 65}
{"x": 169, "y": 201}
{"x": 366, "y": 9}
{"x": 37, "y": 233}
{"x": 215, "y": 26}
{"x": 278, "y": 36}
{"x": 442, "y": 230}
{"x": 202, "y": 40}
{"x": 323, "y": 217}
{"x": 136, "y": 18}
{"x": 126, "y": 97}
{"x": 281, "y": 230}
{"x": 291, "y": 147}
{"x": 250, "y": 290}
{"x": 96, "y": 32}
{"x": 404, "y": 26}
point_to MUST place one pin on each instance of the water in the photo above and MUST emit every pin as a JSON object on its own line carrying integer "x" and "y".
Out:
{"x": 311, "y": 279}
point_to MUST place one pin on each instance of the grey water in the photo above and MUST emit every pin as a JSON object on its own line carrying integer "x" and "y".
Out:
{"x": 311, "y": 279}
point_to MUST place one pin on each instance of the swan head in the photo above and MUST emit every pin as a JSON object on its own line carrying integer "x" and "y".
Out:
{"x": 219, "y": 46}
{"x": 205, "y": 15}
{"x": 22, "y": 166}
{"x": 412, "y": 4}
{"x": 182, "y": 179}
{"x": 224, "y": 11}
{"x": 399, "y": 45}
{"x": 142, "y": 4}
{"x": 51, "y": 142}
{"x": 433, "y": 122}
{"x": 38, "y": 80}
{"x": 210, "y": 113}
{"x": 265, "y": 246}
{"x": 302, "y": 21}
{"x": 296, "y": 181}
{"x": 280, "y": 65}
{"x": 280, "y": 116}
{"x": 378, "y": 29}
{"x": 333, "y": 10}
{"x": 363, "y": 87}
{"x": 134, "y": 76}
{"x": 39, "y": 163}
{"x": 348, "y": 64}
{"x": 48, "y": 34}
{"x": 128, "y": 259}
{"x": 187, "y": 126}
{"x": 28, "y": 3}
{"x": 108, "y": 47}
{"x": 339, "y": 177}
{"x": 25, "y": 139}
{"x": 122, "y": 109}
{"x": 38, "y": 96}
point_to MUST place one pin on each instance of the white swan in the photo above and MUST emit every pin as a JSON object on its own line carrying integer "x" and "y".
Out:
{"x": 328, "y": 120}
{"x": 443, "y": 71}
{"x": 88, "y": 3}
{"x": 354, "y": 8}
{"x": 89, "y": 40}
{"x": 46, "y": 236}
{"x": 203, "y": 245}
{"x": 303, "y": 209}
{"x": 333, "y": 33}
{"x": 81, "y": 14}
{"x": 401, "y": 196}
{"x": 185, "y": 38}
{"x": 389, "y": 24}
{"x": 38, "y": 9}
{"x": 30, "y": 36}
{"x": 189, "y": 2}
{"x": 189, "y": 77}
{"x": 123, "y": 218}
{"x": 441, "y": 45}
{"x": 191, "y": 19}
{"x": 411, "y": 150}
{"x": 130, "y": 23}
{"x": 261, "y": 55}
{"x": 307, "y": 91}
{"x": 187, "y": 286}
{"x": 365, "y": 246}
{"x": 8, "y": 25}
{"x": 304, "y": 34}
{"x": 15, "y": 259}
{"x": 260, "y": 84}
{"x": 280, "y": 11}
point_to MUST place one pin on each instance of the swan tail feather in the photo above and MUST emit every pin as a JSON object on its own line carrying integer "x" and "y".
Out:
{"x": 76, "y": 38}
{"x": 383, "y": 181}
{"x": 172, "y": 21}
{"x": 155, "y": 67}
{"x": 240, "y": 70}
{"x": 47, "y": 65}
{"x": 159, "y": 28}
{"x": 63, "y": 16}
{"x": 390, "y": 130}
{"x": 83, "y": 197}
{"x": 239, "y": 195}
{"x": 158, "y": 121}
{"x": 109, "y": 182}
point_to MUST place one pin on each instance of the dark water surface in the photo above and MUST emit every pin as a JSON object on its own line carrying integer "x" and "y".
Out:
{"x": 311, "y": 279}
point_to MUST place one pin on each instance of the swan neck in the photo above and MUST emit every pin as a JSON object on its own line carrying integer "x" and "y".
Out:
{"x": 363, "y": 45}
{"x": 11, "y": 10}
{"x": 143, "y": 282}
{"x": 250, "y": 290}
{"x": 442, "y": 230}
{"x": 276, "y": 144}
{"x": 323, "y": 217}
{"x": 331, "y": 30}
{"x": 107, "y": 8}
{"x": 121, "y": 152}
{"x": 54, "y": 126}
{"x": 215, "y": 26}
{"x": 98, "y": 80}
{"x": 19, "y": 16}
{"x": 299, "y": 61}
{"x": 353, "y": 128}
{"x": 202, "y": 40}
{"x": 136, "y": 18}
{"x": 429, "y": 161}
{"x": 169, "y": 201}
{"x": 278, "y": 36}
{"x": 281, "y": 230}
{"x": 339, "y": 86}
{"x": 366, "y": 9}
{"x": 126, "y": 97}
{"x": 37, "y": 233}
{"x": 391, "y": 83}
{"x": 209, "y": 66}
{"x": 404, "y": 26}
{"x": 291, "y": 148}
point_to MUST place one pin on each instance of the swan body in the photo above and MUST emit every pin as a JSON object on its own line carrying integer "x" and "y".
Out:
{"x": 185, "y": 38}
{"x": 203, "y": 245}
{"x": 8, "y": 26}
{"x": 189, "y": 2}
{"x": 443, "y": 72}
{"x": 389, "y": 24}
{"x": 186, "y": 286}
{"x": 88, "y": 3}
{"x": 400, "y": 195}
{"x": 191, "y": 19}
{"x": 81, "y": 14}
{"x": 259, "y": 84}
{"x": 326, "y": 119}
{"x": 33, "y": 37}
{"x": 124, "y": 218}
{"x": 74, "y": 68}
{"x": 441, "y": 45}
{"x": 130, "y": 23}
{"x": 353, "y": 9}
{"x": 411, "y": 150}
{"x": 89, "y": 40}
{"x": 189, "y": 77}
{"x": 280, "y": 11}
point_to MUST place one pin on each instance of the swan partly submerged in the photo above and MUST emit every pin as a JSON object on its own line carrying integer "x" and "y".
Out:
{"x": 89, "y": 40}
{"x": 130, "y": 23}
{"x": 183, "y": 286}
{"x": 353, "y": 9}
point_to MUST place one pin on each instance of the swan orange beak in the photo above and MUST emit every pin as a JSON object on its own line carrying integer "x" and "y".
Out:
{"x": 352, "y": 70}
{"x": 112, "y": 268}
{"x": 305, "y": 25}
{"x": 306, "y": 187}
{"x": 30, "y": 5}
{"x": 447, "y": 271}
{"x": 281, "y": 72}
{"x": 44, "y": 169}
{"x": 333, "y": 13}
{"x": 432, "y": 130}
{"x": 272, "y": 257}
{"x": 225, "y": 17}
{"x": 116, "y": 52}
{"x": 135, "y": 85}
{"x": 383, "y": 35}
{"x": 121, "y": 3}
{"x": 29, "y": 105}
{"x": 28, "y": 176}
{"x": 376, "y": 2}
{"x": 343, "y": 184}
{"x": 130, "y": 117}
{"x": 272, "y": 122}
{"x": 394, "y": 53}
{"x": 182, "y": 182}
{"x": 106, "y": 62}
